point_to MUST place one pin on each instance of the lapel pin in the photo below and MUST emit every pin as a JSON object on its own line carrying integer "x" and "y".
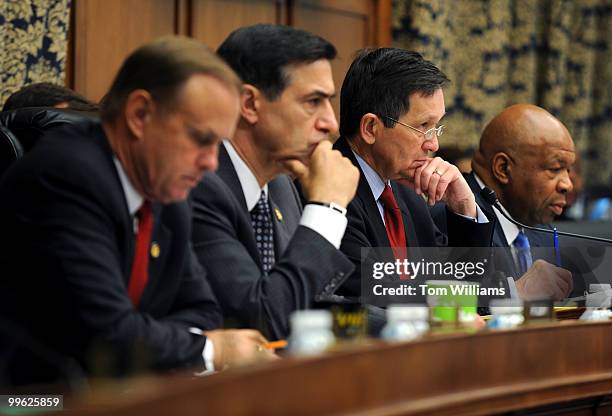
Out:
{"x": 279, "y": 215}
{"x": 155, "y": 250}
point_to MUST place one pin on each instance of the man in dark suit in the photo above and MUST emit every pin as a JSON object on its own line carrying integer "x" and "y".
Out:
{"x": 391, "y": 104}
{"x": 525, "y": 155}
{"x": 97, "y": 263}
{"x": 266, "y": 255}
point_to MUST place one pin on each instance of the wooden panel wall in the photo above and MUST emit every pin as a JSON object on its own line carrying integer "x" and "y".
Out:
{"x": 104, "y": 32}
{"x": 347, "y": 24}
{"x": 213, "y": 20}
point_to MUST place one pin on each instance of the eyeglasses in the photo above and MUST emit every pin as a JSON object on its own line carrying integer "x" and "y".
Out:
{"x": 429, "y": 134}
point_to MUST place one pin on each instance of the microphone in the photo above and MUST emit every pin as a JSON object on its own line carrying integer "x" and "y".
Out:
{"x": 491, "y": 198}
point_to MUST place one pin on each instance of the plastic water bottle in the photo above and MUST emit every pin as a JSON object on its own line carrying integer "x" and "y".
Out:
{"x": 311, "y": 332}
{"x": 507, "y": 314}
{"x": 599, "y": 295}
{"x": 405, "y": 323}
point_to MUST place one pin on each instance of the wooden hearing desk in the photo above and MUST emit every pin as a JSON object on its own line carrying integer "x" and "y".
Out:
{"x": 568, "y": 364}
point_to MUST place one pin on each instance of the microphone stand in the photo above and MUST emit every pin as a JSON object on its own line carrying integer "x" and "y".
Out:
{"x": 490, "y": 197}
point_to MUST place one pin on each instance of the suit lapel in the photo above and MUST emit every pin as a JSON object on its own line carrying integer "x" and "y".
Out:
{"x": 499, "y": 239}
{"x": 365, "y": 198}
{"x": 129, "y": 237}
{"x": 120, "y": 203}
{"x": 485, "y": 206}
{"x": 227, "y": 173}
{"x": 409, "y": 228}
{"x": 364, "y": 193}
{"x": 504, "y": 260}
{"x": 282, "y": 234}
{"x": 539, "y": 239}
{"x": 129, "y": 241}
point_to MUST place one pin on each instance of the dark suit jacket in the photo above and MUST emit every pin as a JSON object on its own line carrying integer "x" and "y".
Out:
{"x": 67, "y": 250}
{"x": 367, "y": 229}
{"x": 499, "y": 239}
{"x": 578, "y": 256}
{"x": 307, "y": 265}
{"x": 504, "y": 260}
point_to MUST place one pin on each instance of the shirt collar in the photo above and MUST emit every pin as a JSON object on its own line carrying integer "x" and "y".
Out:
{"x": 510, "y": 230}
{"x": 133, "y": 198}
{"x": 248, "y": 181}
{"x": 377, "y": 185}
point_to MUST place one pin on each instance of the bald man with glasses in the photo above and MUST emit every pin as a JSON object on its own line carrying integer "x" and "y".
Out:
{"x": 390, "y": 111}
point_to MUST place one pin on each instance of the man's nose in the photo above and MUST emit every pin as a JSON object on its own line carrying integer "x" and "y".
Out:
{"x": 431, "y": 145}
{"x": 208, "y": 160}
{"x": 326, "y": 122}
{"x": 565, "y": 183}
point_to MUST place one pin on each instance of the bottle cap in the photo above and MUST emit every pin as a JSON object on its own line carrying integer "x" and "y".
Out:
{"x": 407, "y": 313}
{"x": 505, "y": 306}
{"x": 599, "y": 287}
{"x": 310, "y": 319}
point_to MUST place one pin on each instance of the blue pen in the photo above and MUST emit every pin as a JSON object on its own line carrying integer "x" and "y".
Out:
{"x": 557, "y": 251}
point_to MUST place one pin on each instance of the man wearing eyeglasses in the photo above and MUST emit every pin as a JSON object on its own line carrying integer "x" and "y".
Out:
{"x": 390, "y": 109}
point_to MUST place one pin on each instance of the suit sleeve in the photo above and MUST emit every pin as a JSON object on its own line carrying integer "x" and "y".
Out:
{"x": 356, "y": 239}
{"x": 309, "y": 267}
{"x": 463, "y": 232}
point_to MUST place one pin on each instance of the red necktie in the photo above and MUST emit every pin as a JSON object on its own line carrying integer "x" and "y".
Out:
{"x": 140, "y": 265}
{"x": 394, "y": 224}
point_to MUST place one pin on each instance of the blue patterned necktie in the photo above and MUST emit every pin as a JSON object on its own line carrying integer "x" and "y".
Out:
{"x": 264, "y": 233}
{"x": 523, "y": 252}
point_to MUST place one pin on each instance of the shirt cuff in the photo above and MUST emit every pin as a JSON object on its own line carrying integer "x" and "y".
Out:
{"x": 329, "y": 223}
{"x": 208, "y": 353}
{"x": 481, "y": 218}
{"x": 512, "y": 288}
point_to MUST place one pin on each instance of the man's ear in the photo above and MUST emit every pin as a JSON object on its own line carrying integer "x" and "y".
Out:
{"x": 250, "y": 103}
{"x": 139, "y": 107}
{"x": 369, "y": 128}
{"x": 501, "y": 166}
